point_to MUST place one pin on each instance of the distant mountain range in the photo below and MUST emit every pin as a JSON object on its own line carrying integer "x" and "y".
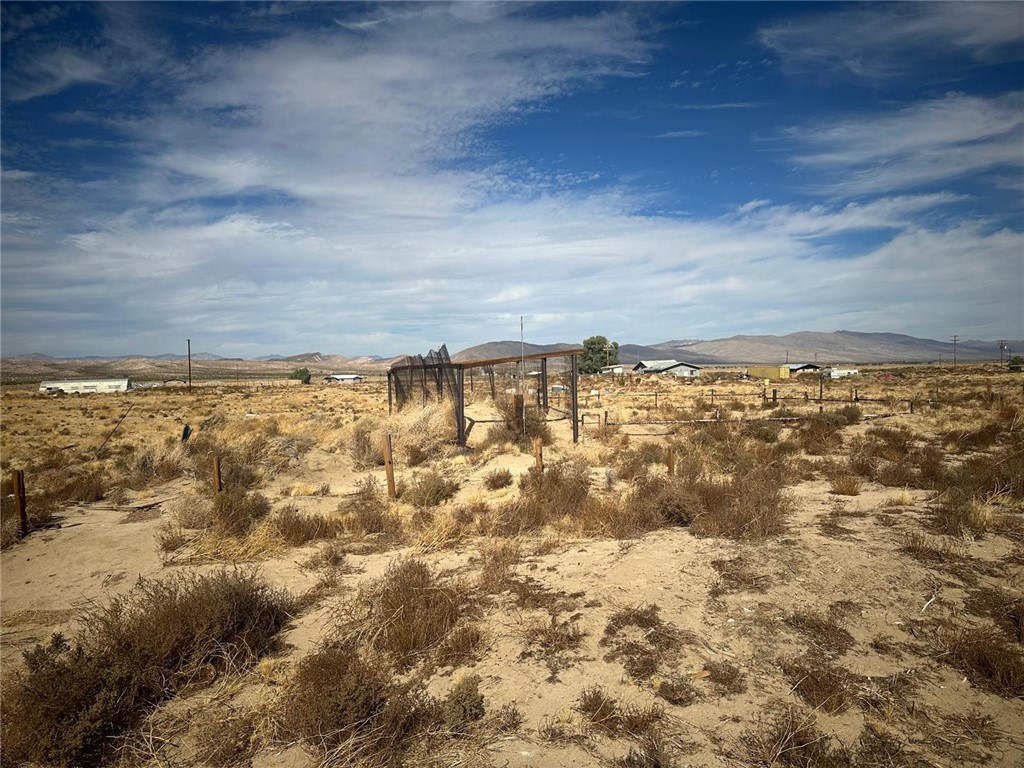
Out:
{"x": 838, "y": 347}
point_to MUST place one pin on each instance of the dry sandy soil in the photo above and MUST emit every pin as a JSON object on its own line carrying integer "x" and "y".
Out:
{"x": 840, "y": 636}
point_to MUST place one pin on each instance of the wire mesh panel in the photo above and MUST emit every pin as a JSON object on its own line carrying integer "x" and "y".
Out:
{"x": 418, "y": 379}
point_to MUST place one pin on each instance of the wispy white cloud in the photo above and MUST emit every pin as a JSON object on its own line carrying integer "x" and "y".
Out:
{"x": 894, "y": 40}
{"x": 679, "y": 134}
{"x": 926, "y": 142}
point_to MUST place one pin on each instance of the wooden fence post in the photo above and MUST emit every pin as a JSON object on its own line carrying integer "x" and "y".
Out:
{"x": 775, "y": 395}
{"x": 519, "y": 420}
{"x": 218, "y": 486}
{"x": 18, "y": 481}
{"x": 389, "y": 467}
{"x": 538, "y": 454}
{"x": 670, "y": 461}
{"x": 712, "y": 397}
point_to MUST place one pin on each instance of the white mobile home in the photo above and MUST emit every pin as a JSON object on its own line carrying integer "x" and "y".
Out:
{"x": 683, "y": 370}
{"x": 343, "y": 378}
{"x": 86, "y": 386}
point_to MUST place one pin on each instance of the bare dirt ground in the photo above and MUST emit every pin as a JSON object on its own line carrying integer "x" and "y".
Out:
{"x": 844, "y": 592}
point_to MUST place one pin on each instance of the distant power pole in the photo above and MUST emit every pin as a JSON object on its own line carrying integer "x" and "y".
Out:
{"x": 955, "y": 340}
{"x": 1002, "y": 346}
{"x": 189, "y": 343}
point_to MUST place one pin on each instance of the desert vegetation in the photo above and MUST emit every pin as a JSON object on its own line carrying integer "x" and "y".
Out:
{"x": 716, "y": 576}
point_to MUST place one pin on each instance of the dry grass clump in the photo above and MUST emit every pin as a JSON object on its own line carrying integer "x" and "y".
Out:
{"x": 1002, "y": 606}
{"x": 562, "y": 489}
{"x": 463, "y": 705}
{"x": 845, "y": 485}
{"x": 365, "y": 444}
{"x": 641, "y": 640}
{"x": 677, "y": 690}
{"x": 986, "y": 657}
{"x": 605, "y": 714}
{"x": 790, "y": 738}
{"x": 821, "y": 630}
{"x": 295, "y": 528}
{"x": 406, "y": 612}
{"x": 552, "y": 641}
{"x": 346, "y": 706}
{"x": 737, "y": 575}
{"x": 932, "y": 549}
{"x": 821, "y": 684}
{"x": 963, "y": 440}
{"x": 749, "y": 507}
{"x": 428, "y": 489}
{"x": 630, "y": 463}
{"x": 236, "y": 511}
{"x": 821, "y": 434}
{"x": 367, "y": 511}
{"x": 727, "y": 678}
{"x": 533, "y": 427}
{"x": 498, "y": 478}
{"x": 73, "y": 701}
{"x": 227, "y": 741}
{"x": 962, "y": 514}
{"x": 499, "y": 558}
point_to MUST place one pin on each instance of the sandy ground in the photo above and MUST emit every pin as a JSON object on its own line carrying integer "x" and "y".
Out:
{"x": 839, "y": 552}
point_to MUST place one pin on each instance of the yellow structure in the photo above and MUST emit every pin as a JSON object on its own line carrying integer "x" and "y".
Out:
{"x": 768, "y": 372}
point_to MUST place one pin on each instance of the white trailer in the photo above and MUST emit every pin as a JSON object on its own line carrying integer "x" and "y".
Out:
{"x": 85, "y": 386}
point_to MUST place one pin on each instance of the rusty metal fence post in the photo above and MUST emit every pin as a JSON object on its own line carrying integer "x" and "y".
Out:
{"x": 389, "y": 467}
{"x": 218, "y": 486}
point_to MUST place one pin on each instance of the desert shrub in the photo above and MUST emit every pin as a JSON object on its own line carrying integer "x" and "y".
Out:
{"x": 73, "y": 701}
{"x": 725, "y": 677}
{"x": 236, "y": 511}
{"x": 750, "y": 507}
{"x": 406, "y": 612}
{"x": 820, "y": 435}
{"x": 604, "y": 713}
{"x": 677, "y": 690}
{"x": 463, "y": 705}
{"x": 630, "y": 463}
{"x": 962, "y": 440}
{"x": 851, "y": 414}
{"x": 460, "y": 646}
{"x": 846, "y": 485}
{"x": 561, "y": 489}
{"x": 498, "y": 478}
{"x": 499, "y": 557}
{"x": 367, "y": 512}
{"x": 191, "y": 510}
{"x": 891, "y": 443}
{"x": 428, "y": 489}
{"x": 365, "y": 446}
{"x": 822, "y": 685}
{"x": 737, "y": 575}
{"x": 640, "y": 639}
{"x": 296, "y": 528}
{"x": 346, "y": 706}
{"x": 301, "y": 374}
{"x": 225, "y": 742}
{"x": 934, "y": 549}
{"x": 535, "y": 426}
{"x": 508, "y": 719}
{"x": 823, "y": 630}
{"x": 1002, "y": 606}
{"x": 962, "y": 514}
{"x": 986, "y": 657}
{"x": 790, "y": 738}
{"x": 765, "y": 431}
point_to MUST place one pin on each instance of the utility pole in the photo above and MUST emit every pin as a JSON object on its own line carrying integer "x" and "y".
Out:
{"x": 189, "y": 342}
{"x": 955, "y": 340}
{"x": 1002, "y": 346}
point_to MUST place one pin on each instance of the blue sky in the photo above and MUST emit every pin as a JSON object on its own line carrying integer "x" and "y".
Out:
{"x": 378, "y": 179}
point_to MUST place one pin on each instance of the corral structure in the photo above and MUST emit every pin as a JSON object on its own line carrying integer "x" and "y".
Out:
{"x": 682, "y": 370}
{"x": 416, "y": 378}
{"x": 86, "y": 386}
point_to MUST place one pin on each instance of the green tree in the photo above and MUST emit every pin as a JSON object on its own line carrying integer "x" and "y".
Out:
{"x": 597, "y": 353}
{"x": 302, "y": 374}
{"x": 1017, "y": 361}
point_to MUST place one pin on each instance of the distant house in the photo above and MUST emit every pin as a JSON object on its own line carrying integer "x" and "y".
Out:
{"x": 614, "y": 370}
{"x": 342, "y": 378}
{"x": 86, "y": 386}
{"x": 683, "y": 370}
{"x": 795, "y": 368}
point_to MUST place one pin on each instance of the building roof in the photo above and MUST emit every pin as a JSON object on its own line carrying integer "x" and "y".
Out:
{"x": 657, "y": 366}
{"x": 344, "y": 376}
{"x": 801, "y": 366}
